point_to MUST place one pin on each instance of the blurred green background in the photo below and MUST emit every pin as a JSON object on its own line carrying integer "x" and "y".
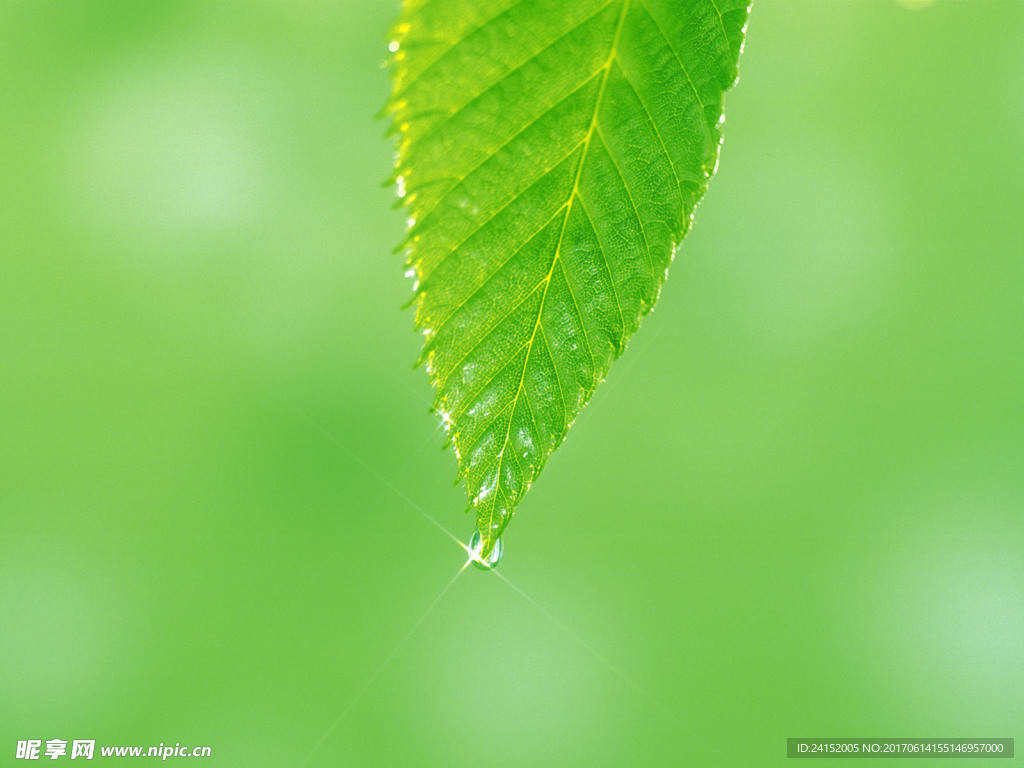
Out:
{"x": 797, "y": 505}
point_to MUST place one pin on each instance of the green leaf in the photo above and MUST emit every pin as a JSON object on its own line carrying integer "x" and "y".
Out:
{"x": 551, "y": 154}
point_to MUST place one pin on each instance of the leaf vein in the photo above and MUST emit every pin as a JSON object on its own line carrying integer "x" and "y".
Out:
{"x": 675, "y": 53}
{"x": 454, "y": 44}
{"x": 654, "y": 126}
{"x": 494, "y": 273}
{"x": 575, "y": 192}
{"x": 473, "y": 100}
{"x": 479, "y": 342}
{"x": 604, "y": 255}
{"x": 632, "y": 202}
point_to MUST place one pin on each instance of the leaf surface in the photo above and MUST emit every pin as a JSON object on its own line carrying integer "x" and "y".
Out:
{"x": 551, "y": 154}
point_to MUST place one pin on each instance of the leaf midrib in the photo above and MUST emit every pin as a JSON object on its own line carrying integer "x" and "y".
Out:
{"x": 613, "y": 52}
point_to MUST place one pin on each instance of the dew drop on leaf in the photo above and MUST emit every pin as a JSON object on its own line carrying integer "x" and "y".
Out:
{"x": 476, "y": 544}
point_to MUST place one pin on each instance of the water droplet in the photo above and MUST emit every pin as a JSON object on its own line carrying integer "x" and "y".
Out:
{"x": 393, "y": 46}
{"x": 476, "y": 544}
{"x": 400, "y": 181}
